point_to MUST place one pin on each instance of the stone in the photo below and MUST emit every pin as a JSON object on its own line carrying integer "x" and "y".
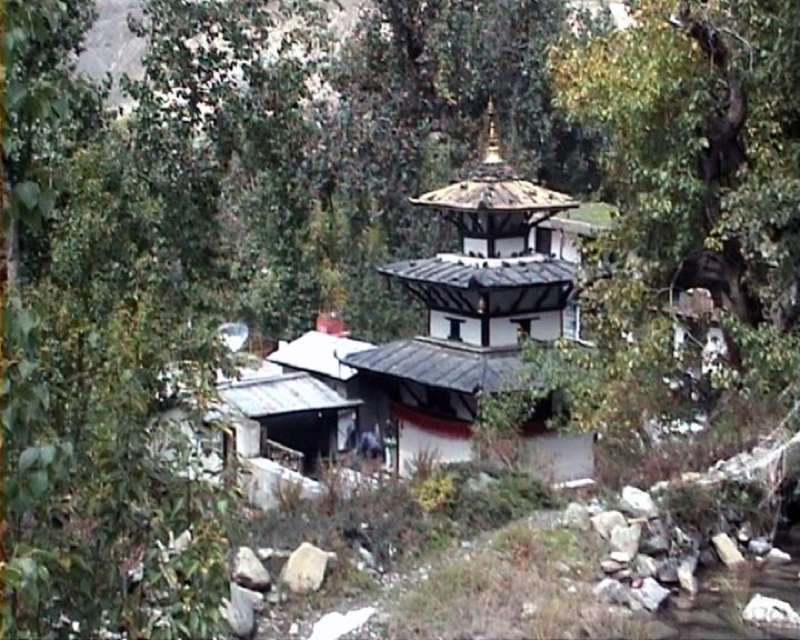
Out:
{"x": 619, "y": 556}
{"x": 294, "y": 629}
{"x": 334, "y": 625}
{"x": 770, "y": 612}
{"x": 727, "y": 550}
{"x": 655, "y": 539}
{"x": 603, "y": 523}
{"x": 667, "y": 571}
{"x": 367, "y": 557}
{"x": 576, "y": 516}
{"x": 644, "y": 565}
{"x": 686, "y": 577}
{"x": 240, "y": 611}
{"x": 776, "y": 556}
{"x": 612, "y": 566}
{"x": 637, "y": 503}
{"x": 594, "y": 507}
{"x": 651, "y": 594}
{"x": 304, "y": 571}
{"x": 707, "y": 558}
{"x": 249, "y": 572}
{"x": 610, "y": 591}
{"x": 625, "y": 540}
{"x": 529, "y": 609}
{"x": 759, "y": 546}
{"x": 623, "y": 575}
{"x": 744, "y": 533}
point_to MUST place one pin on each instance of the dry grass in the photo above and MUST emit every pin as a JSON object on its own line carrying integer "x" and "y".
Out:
{"x": 423, "y": 465}
{"x": 289, "y": 494}
{"x": 528, "y": 583}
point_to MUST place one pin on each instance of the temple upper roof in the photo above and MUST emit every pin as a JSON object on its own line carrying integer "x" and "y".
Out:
{"x": 494, "y": 185}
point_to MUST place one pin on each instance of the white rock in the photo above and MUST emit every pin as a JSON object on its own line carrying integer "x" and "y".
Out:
{"x": 777, "y": 556}
{"x": 650, "y": 594}
{"x": 759, "y": 546}
{"x": 249, "y": 572}
{"x": 612, "y": 591}
{"x": 603, "y": 523}
{"x": 727, "y": 550}
{"x": 294, "y": 629}
{"x": 240, "y": 611}
{"x": 645, "y": 566}
{"x": 625, "y": 541}
{"x": 576, "y": 516}
{"x": 637, "y": 503}
{"x": 333, "y": 626}
{"x": 686, "y": 577}
{"x": 304, "y": 571}
{"x": 763, "y": 611}
{"x": 619, "y": 556}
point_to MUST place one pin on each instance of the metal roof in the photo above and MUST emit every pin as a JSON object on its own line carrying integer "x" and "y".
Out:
{"x": 471, "y": 275}
{"x": 446, "y": 364}
{"x": 319, "y": 352}
{"x": 286, "y": 393}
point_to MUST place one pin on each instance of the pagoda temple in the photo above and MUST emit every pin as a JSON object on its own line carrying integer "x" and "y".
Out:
{"x": 480, "y": 301}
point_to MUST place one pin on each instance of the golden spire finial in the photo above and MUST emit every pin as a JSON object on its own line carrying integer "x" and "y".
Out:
{"x": 492, "y": 154}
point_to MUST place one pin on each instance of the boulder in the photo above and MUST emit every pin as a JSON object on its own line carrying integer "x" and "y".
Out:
{"x": 776, "y": 556}
{"x": 305, "y": 569}
{"x": 610, "y": 591}
{"x": 759, "y": 546}
{"x": 686, "y": 577}
{"x": 644, "y": 565}
{"x": 655, "y": 538}
{"x": 727, "y": 550}
{"x": 667, "y": 571}
{"x": 240, "y": 611}
{"x": 625, "y": 540}
{"x": 637, "y": 503}
{"x": 707, "y": 558}
{"x": 744, "y": 533}
{"x": 248, "y": 571}
{"x": 770, "y": 612}
{"x": 619, "y": 556}
{"x": 651, "y": 594}
{"x": 576, "y": 516}
{"x": 609, "y": 565}
{"x": 603, "y": 523}
{"x": 274, "y": 559}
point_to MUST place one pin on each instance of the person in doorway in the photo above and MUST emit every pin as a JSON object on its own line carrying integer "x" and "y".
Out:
{"x": 369, "y": 448}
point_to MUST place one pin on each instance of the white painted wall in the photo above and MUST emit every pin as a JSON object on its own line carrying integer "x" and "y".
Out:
{"x": 477, "y": 245}
{"x": 545, "y": 325}
{"x": 414, "y": 440}
{"x": 560, "y": 457}
{"x": 564, "y": 245}
{"x": 439, "y": 327}
{"x": 506, "y": 246}
{"x": 248, "y": 438}
{"x": 551, "y": 458}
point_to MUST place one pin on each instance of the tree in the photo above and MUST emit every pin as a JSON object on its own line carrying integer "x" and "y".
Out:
{"x": 46, "y": 111}
{"x": 701, "y": 104}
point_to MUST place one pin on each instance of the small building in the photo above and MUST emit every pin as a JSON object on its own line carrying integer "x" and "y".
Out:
{"x": 319, "y": 354}
{"x": 480, "y": 301}
{"x": 298, "y": 415}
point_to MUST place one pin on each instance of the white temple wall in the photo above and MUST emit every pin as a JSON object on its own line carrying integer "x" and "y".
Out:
{"x": 506, "y": 246}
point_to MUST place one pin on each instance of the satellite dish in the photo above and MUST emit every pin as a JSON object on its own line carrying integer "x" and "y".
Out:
{"x": 234, "y": 335}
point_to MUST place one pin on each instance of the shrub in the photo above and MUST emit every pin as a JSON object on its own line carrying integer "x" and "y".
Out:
{"x": 434, "y": 492}
{"x": 422, "y": 465}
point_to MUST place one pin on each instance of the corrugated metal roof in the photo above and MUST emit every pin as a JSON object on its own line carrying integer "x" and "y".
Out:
{"x": 287, "y": 393}
{"x": 449, "y": 365}
{"x": 512, "y": 273}
{"x": 319, "y": 353}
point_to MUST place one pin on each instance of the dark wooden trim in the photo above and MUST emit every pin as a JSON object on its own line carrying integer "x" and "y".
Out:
{"x": 497, "y": 234}
{"x": 515, "y": 306}
{"x": 465, "y": 405}
{"x": 404, "y": 385}
{"x": 485, "y": 330}
{"x": 490, "y": 237}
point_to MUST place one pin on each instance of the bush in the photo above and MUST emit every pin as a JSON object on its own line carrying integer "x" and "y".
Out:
{"x": 434, "y": 492}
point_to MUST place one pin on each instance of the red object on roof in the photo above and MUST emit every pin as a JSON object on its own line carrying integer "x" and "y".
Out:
{"x": 331, "y": 323}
